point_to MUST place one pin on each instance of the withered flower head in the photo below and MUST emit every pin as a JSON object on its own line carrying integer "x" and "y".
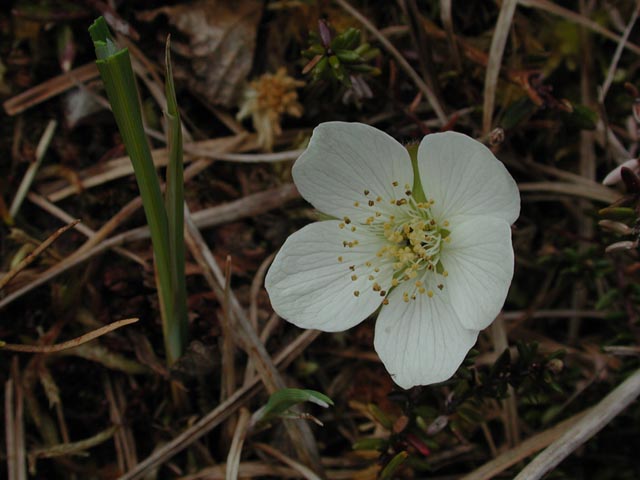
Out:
{"x": 266, "y": 99}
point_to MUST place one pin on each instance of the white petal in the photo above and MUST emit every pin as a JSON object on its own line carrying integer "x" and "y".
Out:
{"x": 465, "y": 178}
{"x": 345, "y": 159}
{"x": 311, "y": 288}
{"x": 479, "y": 261}
{"x": 421, "y": 341}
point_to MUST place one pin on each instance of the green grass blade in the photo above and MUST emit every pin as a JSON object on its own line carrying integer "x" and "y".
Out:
{"x": 174, "y": 196}
{"x": 117, "y": 74}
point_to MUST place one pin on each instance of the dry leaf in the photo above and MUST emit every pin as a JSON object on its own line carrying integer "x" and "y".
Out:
{"x": 222, "y": 38}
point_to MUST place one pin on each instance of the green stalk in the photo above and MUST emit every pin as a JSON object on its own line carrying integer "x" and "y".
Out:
{"x": 174, "y": 198}
{"x": 116, "y": 72}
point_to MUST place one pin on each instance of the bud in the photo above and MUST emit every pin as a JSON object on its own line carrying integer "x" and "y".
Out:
{"x": 615, "y": 227}
{"x": 625, "y": 245}
{"x": 325, "y": 33}
{"x": 630, "y": 179}
{"x": 496, "y": 137}
{"x": 555, "y": 365}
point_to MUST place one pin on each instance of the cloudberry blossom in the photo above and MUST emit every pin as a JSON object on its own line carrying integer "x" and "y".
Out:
{"x": 427, "y": 242}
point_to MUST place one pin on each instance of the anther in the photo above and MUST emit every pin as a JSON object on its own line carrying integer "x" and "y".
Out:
{"x": 385, "y": 301}
{"x": 347, "y": 220}
{"x": 395, "y": 184}
{"x": 366, "y": 192}
{"x": 356, "y": 293}
{"x": 430, "y": 293}
{"x": 354, "y": 277}
{"x": 440, "y": 286}
{"x": 340, "y": 258}
{"x": 356, "y": 204}
{"x": 371, "y": 203}
{"x": 352, "y": 268}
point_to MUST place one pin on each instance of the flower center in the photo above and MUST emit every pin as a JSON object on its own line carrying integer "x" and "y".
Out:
{"x": 413, "y": 242}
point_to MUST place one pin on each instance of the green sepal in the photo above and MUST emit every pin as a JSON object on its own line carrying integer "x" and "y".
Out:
{"x": 348, "y": 56}
{"x": 417, "y": 190}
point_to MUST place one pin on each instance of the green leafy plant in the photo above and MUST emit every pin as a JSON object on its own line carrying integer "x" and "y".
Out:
{"x": 341, "y": 59}
{"x": 281, "y": 403}
{"x": 164, "y": 215}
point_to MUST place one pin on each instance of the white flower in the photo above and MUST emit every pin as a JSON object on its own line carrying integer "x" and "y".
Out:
{"x": 439, "y": 263}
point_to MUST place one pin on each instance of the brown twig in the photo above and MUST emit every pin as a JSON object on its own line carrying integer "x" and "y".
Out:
{"x": 242, "y": 208}
{"x": 228, "y": 376}
{"x": 14, "y": 427}
{"x": 587, "y": 169}
{"x": 498, "y": 42}
{"x": 87, "y": 337}
{"x": 402, "y": 62}
{"x": 509, "y": 404}
{"x": 247, "y": 338}
{"x": 613, "y": 67}
{"x": 220, "y": 413}
{"x": 29, "y": 259}
{"x": 598, "y": 193}
{"x": 256, "y": 285}
{"x": 527, "y": 448}
{"x": 213, "y": 149}
{"x": 57, "y": 212}
{"x": 46, "y": 90}
{"x": 567, "y": 14}
{"x": 235, "y": 450}
{"x": 582, "y": 430}
{"x": 30, "y": 174}
{"x": 298, "y": 467}
{"x": 447, "y": 21}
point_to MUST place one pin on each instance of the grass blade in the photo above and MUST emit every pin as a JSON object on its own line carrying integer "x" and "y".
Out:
{"x": 174, "y": 199}
{"x": 115, "y": 69}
